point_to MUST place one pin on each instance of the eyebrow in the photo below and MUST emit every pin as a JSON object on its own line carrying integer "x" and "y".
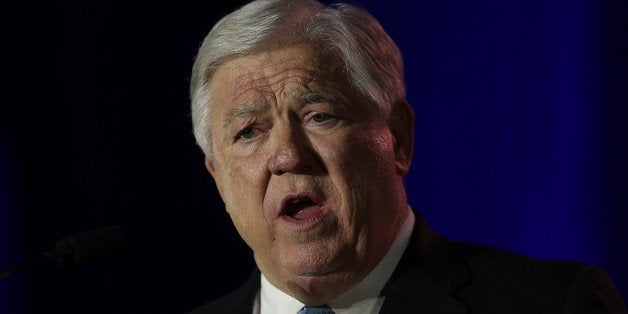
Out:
{"x": 243, "y": 111}
{"x": 314, "y": 97}
{"x": 335, "y": 101}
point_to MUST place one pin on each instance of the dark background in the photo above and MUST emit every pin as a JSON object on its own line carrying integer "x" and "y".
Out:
{"x": 521, "y": 141}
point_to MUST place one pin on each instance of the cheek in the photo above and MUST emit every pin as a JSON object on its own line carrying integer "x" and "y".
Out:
{"x": 243, "y": 204}
{"x": 241, "y": 190}
{"x": 244, "y": 177}
{"x": 359, "y": 166}
{"x": 371, "y": 152}
{"x": 243, "y": 187}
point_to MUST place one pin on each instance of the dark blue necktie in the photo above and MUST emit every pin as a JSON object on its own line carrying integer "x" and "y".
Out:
{"x": 316, "y": 310}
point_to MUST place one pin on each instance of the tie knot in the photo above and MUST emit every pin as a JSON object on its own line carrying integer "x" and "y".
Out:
{"x": 324, "y": 309}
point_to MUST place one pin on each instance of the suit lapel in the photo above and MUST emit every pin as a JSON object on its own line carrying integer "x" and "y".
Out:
{"x": 427, "y": 275}
{"x": 245, "y": 295}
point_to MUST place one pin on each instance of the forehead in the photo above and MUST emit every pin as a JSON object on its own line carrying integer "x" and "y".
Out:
{"x": 270, "y": 70}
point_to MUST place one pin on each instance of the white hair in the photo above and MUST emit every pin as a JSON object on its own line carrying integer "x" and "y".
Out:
{"x": 372, "y": 60}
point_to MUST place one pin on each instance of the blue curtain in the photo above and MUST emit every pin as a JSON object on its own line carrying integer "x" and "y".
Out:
{"x": 511, "y": 142}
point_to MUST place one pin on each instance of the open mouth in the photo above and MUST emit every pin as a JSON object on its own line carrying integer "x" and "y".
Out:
{"x": 301, "y": 208}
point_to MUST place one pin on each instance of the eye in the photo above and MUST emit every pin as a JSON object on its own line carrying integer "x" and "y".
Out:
{"x": 247, "y": 133}
{"x": 321, "y": 117}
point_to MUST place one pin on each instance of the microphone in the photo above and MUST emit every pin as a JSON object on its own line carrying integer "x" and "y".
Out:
{"x": 80, "y": 249}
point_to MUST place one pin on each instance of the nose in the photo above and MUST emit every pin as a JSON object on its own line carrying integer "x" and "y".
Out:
{"x": 292, "y": 152}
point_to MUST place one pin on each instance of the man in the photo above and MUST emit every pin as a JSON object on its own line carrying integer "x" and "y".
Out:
{"x": 300, "y": 110}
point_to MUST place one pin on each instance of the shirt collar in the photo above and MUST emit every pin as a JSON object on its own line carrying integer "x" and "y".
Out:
{"x": 273, "y": 300}
{"x": 363, "y": 298}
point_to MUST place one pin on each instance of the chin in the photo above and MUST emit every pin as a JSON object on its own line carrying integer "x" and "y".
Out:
{"x": 313, "y": 259}
{"x": 308, "y": 270}
{"x": 314, "y": 265}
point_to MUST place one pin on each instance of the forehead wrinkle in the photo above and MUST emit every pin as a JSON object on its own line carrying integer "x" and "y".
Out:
{"x": 250, "y": 85}
{"x": 259, "y": 80}
{"x": 280, "y": 92}
{"x": 286, "y": 85}
{"x": 265, "y": 81}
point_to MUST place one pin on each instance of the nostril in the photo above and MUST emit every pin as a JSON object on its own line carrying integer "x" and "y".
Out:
{"x": 287, "y": 159}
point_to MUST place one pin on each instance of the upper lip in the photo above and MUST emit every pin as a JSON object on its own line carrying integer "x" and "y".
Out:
{"x": 296, "y": 196}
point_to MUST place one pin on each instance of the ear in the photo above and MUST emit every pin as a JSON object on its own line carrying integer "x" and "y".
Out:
{"x": 401, "y": 122}
{"x": 211, "y": 167}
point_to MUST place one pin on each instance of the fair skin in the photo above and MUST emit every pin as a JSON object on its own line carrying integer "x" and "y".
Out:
{"x": 310, "y": 171}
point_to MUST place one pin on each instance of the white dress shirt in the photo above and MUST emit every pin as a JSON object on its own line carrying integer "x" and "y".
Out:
{"x": 363, "y": 298}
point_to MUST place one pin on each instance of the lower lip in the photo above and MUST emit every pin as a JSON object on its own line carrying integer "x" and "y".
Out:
{"x": 305, "y": 223}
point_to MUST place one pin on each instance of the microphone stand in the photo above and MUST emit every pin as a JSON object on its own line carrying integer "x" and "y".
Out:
{"x": 35, "y": 260}
{"x": 83, "y": 248}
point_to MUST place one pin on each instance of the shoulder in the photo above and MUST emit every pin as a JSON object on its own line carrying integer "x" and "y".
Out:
{"x": 490, "y": 280}
{"x": 225, "y": 304}
{"x": 238, "y": 301}
{"x": 487, "y": 260}
{"x": 537, "y": 283}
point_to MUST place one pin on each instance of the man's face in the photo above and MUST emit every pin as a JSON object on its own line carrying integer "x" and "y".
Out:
{"x": 309, "y": 169}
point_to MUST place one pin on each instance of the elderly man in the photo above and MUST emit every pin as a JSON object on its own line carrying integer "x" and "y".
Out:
{"x": 300, "y": 110}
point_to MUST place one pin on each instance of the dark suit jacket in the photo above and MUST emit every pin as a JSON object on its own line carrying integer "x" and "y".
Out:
{"x": 439, "y": 276}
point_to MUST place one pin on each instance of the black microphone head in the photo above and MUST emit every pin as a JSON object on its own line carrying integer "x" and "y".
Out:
{"x": 90, "y": 246}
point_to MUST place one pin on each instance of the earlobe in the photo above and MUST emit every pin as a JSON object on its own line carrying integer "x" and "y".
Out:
{"x": 211, "y": 167}
{"x": 401, "y": 123}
